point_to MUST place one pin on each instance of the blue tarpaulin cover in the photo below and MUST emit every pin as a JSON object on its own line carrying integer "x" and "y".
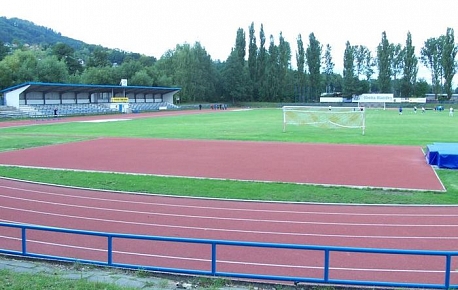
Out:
{"x": 443, "y": 155}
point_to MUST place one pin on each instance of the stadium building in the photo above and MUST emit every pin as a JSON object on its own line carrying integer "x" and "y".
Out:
{"x": 33, "y": 99}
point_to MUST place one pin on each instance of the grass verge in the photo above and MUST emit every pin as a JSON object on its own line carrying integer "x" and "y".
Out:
{"x": 228, "y": 189}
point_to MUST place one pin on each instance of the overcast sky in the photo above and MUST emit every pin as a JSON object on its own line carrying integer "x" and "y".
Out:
{"x": 152, "y": 27}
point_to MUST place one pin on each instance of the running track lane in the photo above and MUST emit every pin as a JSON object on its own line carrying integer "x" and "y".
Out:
{"x": 400, "y": 227}
{"x": 397, "y": 167}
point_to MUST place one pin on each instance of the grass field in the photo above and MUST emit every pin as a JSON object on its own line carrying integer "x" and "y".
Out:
{"x": 12, "y": 280}
{"x": 382, "y": 127}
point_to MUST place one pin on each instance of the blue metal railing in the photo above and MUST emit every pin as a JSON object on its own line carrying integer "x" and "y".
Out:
{"x": 213, "y": 271}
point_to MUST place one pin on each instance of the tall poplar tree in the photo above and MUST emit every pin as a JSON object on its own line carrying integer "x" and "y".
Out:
{"x": 235, "y": 74}
{"x": 328, "y": 69}
{"x": 262, "y": 66}
{"x": 300, "y": 62}
{"x": 252, "y": 57}
{"x": 397, "y": 62}
{"x": 313, "y": 55}
{"x": 384, "y": 58}
{"x": 410, "y": 68}
{"x": 369, "y": 64}
{"x": 349, "y": 79}
{"x": 431, "y": 58}
{"x": 449, "y": 61}
{"x": 360, "y": 52}
{"x": 284, "y": 65}
{"x": 273, "y": 71}
{"x": 240, "y": 45}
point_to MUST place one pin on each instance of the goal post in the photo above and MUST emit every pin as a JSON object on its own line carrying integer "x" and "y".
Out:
{"x": 325, "y": 117}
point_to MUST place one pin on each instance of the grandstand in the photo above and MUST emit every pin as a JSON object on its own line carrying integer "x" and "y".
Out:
{"x": 11, "y": 112}
{"x": 42, "y": 100}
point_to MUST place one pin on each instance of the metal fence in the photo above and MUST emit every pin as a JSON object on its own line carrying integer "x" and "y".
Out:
{"x": 14, "y": 241}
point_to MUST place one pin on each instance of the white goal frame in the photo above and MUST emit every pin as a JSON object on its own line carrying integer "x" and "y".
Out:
{"x": 325, "y": 117}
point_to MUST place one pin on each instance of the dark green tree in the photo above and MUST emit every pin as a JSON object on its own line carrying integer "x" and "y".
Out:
{"x": 166, "y": 70}
{"x": 50, "y": 70}
{"x": 234, "y": 81}
{"x": 410, "y": 68}
{"x": 99, "y": 58}
{"x": 240, "y": 45}
{"x": 4, "y": 50}
{"x": 440, "y": 52}
{"x": 313, "y": 56}
{"x": 368, "y": 70}
{"x": 273, "y": 68}
{"x": 397, "y": 62}
{"x": 117, "y": 56}
{"x": 193, "y": 70}
{"x": 67, "y": 54}
{"x": 328, "y": 69}
{"x": 360, "y": 55}
{"x": 235, "y": 74}
{"x": 19, "y": 67}
{"x": 147, "y": 61}
{"x": 203, "y": 74}
{"x": 62, "y": 50}
{"x": 421, "y": 87}
{"x": 100, "y": 76}
{"x": 252, "y": 67}
{"x": 262, "y": 66}
{"x": 384, "y": 59}
{"x": 300, "y": 77}
{"x": 128, "y": 69}
{"x": 349, "y": 77}
{"x": 431, "y": 58}
{"x": 449, "y": 61}
{"x": 141, "y": 78}
{"x": 284, "y": 66}
{"x": 8, "y": 67}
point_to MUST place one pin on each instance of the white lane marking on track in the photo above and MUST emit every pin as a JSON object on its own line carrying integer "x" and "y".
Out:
{"x": 230, "y": 218}
{"x": 234, "y": 209}
{"x": 230, "y": 230}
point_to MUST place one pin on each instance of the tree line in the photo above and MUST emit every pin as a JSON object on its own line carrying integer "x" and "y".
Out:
{"x": 258, "y": 68}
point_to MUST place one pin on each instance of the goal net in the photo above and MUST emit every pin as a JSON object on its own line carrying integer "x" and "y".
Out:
{"x": 325, "y": 117}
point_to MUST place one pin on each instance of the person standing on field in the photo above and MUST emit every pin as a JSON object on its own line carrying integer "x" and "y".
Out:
{"x": 451, "y": 112}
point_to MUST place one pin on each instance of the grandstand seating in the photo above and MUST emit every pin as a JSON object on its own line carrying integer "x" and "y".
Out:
{"x": 147, "y": 107}
{"x": 11, "y": 112}
{"x": 47, "y": 111}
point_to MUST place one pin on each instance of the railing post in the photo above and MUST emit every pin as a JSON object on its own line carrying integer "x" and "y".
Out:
{"x": 326, "y": 265}
{"x": 448, "y": 263}
{"x": 213, "y": 259}
{"x": 110, "y": 250}
{"x": 24, "y": 241}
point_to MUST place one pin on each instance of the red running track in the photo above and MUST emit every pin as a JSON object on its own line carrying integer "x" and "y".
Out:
{"x": 397, "y": 227}
{"x": 398, "y": 167}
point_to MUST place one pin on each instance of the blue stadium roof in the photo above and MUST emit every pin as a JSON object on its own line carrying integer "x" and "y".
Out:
{"x": 82, "y": 88}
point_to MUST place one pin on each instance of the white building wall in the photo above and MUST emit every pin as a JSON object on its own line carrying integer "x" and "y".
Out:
{"x": 12, "y": 98}
{"x": 168, "y": 98}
